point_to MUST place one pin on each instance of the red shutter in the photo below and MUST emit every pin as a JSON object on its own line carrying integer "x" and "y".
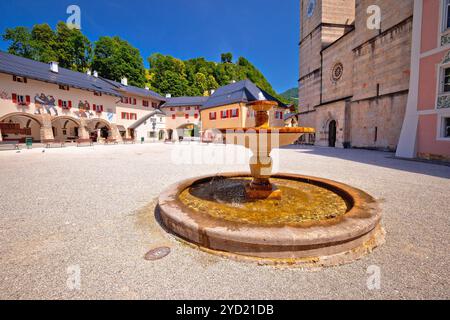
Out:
{"x": 28, "y": 100}
{"x": 228, "y": 113}
{"x": 237, "y": 113}
{"x": 14, "y": 78}
{"x": 134, "y": 101}
{"x": 14, "y": 98}
{"x": 69, "y": 104}
{"x": 101, "y": 108}
{"x": 59, "y": 103}
{"x": 94, "y": 107}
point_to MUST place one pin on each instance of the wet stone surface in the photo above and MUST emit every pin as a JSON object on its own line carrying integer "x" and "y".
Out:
{"x": 225, "y": 199}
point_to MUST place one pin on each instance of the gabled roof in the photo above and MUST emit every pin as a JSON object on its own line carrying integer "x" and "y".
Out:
{"x": 145, "y": 118}
{"x": 290, "y": 115}
{"x": 35, "y": 70}
{"x": 136, "y": 91}
{"x": 185, "y": 101}
{"x": 243, "y": 91}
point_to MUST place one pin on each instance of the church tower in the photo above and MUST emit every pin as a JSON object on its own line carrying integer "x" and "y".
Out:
{"x": 322, "y": 22}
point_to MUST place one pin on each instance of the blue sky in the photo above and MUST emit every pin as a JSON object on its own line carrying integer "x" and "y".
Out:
{"x": 264, "y": 31}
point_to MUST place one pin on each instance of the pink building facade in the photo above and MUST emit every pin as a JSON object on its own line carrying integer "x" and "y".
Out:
{"x": 426, "y": 129}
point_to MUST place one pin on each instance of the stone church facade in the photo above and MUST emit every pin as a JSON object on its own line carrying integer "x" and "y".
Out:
{"x": 354, "y": 81}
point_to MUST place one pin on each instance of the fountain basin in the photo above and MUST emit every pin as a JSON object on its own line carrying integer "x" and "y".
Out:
{"x": 347, "y": 232}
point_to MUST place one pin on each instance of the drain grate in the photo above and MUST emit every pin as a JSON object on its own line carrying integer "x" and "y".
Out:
{"x": 157, "y": 254}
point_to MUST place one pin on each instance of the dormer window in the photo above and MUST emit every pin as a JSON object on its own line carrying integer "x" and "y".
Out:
{"x": 20, "y": 79}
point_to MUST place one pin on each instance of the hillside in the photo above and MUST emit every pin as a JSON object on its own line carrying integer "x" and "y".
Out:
{"x": 115, "y": 58}
{"x": 291, "y": 96}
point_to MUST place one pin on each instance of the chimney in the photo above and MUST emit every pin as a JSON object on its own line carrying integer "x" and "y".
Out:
{"x": 147, "y": 88}
{"x": 89, "y": 73}
{"x": 95, "y": 74}
{"x": 212, "y": 92}
{"x": 124, "y": 81}
{"x": 54, "y": 67}
{"x": 168, "y": 95}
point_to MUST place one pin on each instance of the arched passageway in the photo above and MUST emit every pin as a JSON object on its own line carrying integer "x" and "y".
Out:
{"x": 99, "y": 128}
{"x": 332, "y": 132}
{"x": 19, "y": 126}
{"x": 66, "y": 128}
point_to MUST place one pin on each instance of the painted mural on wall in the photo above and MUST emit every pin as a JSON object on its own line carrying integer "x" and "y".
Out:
{"x": 45, "y": 102}
{"x": 4, "y": 95}
{"x": 110, "y": 115}
{"x": 84, "y": 110}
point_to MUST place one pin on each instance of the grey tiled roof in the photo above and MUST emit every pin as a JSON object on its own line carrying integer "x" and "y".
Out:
{"x": 290, "y": 115}
{"x": 137, "y": 91}
{"x": 185, "y": 101}
{"x": 31, "y": 69}
{"x": 243, "y": 91}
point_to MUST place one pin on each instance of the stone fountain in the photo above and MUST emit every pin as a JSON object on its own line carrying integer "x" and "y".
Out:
{"x": 274, "y": 219}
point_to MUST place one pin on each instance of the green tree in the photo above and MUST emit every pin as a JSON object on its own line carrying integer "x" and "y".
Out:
{"x": 115, "y": 58}
{"x": 212, "y": 83}
{"x": 72, "y": 47}
{"x": 173, "y": 83}
{"x": 21, "y": 42}
{"x": 227, "y": 57}
{"x": 67, "y": 46}
{"x": 167, "y": 70}
{"x": 44, "y": 43}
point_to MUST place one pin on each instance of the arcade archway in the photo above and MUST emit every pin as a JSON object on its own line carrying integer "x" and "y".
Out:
{"x": 66, "y": 128}
{"x": 19, "y": 126}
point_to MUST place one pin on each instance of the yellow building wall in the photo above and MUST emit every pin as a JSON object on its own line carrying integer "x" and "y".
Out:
{"x": 246, "y": 118}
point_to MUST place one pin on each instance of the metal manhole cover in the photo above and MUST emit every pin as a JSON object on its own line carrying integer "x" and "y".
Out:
{"x": 157, "y": 254}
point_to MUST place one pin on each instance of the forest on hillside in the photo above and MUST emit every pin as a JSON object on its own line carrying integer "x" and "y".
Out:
{"x": 115, "y": 58}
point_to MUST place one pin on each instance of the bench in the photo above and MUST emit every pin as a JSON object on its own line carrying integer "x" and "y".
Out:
{"x": 111, "y": 140}
{"x": 84, "y": 141}
{"x": 49, "y": 142}
{"x": 14, "y": 144}
{"x": 126, "y": 140}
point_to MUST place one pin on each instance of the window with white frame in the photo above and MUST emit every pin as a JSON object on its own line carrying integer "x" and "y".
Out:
{"x": 446, "y": 15}
{"x": 445, "y": 80}
{"x": 446, "y": 127}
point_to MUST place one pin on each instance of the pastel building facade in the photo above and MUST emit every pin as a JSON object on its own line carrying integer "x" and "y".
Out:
{"x": 44, "y": 102}
{"x": 228, "y": 108}
{"x": 182, "y": 117}
{"x": 426, "y": 128}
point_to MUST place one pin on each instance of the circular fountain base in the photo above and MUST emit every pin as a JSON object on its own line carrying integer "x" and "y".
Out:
{"x": 317, "y": 222}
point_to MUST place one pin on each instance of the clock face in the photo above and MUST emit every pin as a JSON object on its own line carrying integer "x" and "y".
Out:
{"x": 310, "y": 8}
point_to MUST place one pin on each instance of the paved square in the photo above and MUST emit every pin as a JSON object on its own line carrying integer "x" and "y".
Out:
{"x": 93, "y": 208}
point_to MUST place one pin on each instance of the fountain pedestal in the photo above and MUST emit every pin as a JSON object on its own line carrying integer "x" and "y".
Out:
{"x": 261, "y": 163}
{"x": 261, "y": 188}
